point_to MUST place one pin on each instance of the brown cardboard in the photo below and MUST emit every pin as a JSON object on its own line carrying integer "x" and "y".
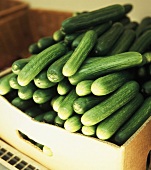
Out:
{"x": 72, "y": 150}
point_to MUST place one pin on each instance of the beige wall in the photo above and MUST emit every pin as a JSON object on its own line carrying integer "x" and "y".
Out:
{"x": 141, "y": 7}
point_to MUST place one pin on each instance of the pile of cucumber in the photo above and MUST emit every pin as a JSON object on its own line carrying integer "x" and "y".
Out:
{"x": 92, "y": 76}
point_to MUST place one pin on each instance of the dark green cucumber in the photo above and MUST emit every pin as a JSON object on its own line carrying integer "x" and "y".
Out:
{"x": 20, "y": 63}
{"x": 80, "y": 53}
{"x": 143, "y": 24}
{"x": 125, "y": 20}
{"x": 38, "y": 63}
{"x": 114, "y": 102}
{"x": 89, "y": 130}
{"x": 134, "y": 123}
{"x": 40, "y": 117}
{"x": 107, "y": 84}
{"x": 66, "y": 108}
{"x": 105, "y": 65}
{"x": 83, "y": 88}
{"x": 43, "y": 95}
{"x": 54, "y": 71}
{"x": 69, "y": 38}
{"x": 82, "y": 104}
{"x": 77, "y": 40}
{"x": 34, "y": 49}
{"x": 128, "y": 8}
{"x": 33, "y": 111}
{"x": 132, "y": 25}
{"x": 142, "y": 42}
{"x": 124, "y": 42}
{"x": 57, "y": 102}
{"x": 49, "y": 116}
{"x": 58, "y": 35}
{"x": 22, "y": 104}
{"x": 95, "y": 17}
{"x": 146, "y": 88}
{"x": 45, "y": 42}
{"x": 73, "y": 123}
{"x": 42, "y": 81}
{"x": 13, "y": 82}
{"x": 26, "y": 92}
{"x": 4, "y": 83}
{"x": 111, "y": 124}
{"x": 58, "y": 121}
{"x": 64, "y": 87}
{"x": 108, "y": 39}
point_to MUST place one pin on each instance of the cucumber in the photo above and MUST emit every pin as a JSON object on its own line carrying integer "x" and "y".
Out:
{"x": 4, "y": 83}
{"x": 143, "y": 24}
{"x": 34, "y": 49}
{"x": 92, "y": 18}
{"x": 66, "y": 108}
{"x": 125, "y": 20}
{"x": 58, "y": 121}
{"x": 146, "y": 88}
{"x": 124, "y": 42}
{"x": 89, "y": 130}
{"x": 38, "y": 63}
{"x": 134, "y": 123}
{"x": 58, "y": 35}
{"x": 50, "y": 116}
{"x": 42, "y": 81}
{"x": 77, "y": 40}
{"x": 73, "y": 123}
{"x": 26, "y": 92}
{"x": 33, "y": 111}
{"x": 108, "y": 39}
{"x": 43, "y": 95}
{"x": 20, "y": 63}
{"x": 128, "y": 8}
{"x": 40, "y": 117}
{"x": 69, "y": 38}
{"x": 57, "y": 102}
{"x": 109, "y": 83}
{"x": 64, "y": 87}
{"x": 111, "y": 124}
{"x": 22, "y": 104}
{"x": 45, "y": 42}
{"x": 132, "y": 25}
{"x": 54, "y": 71}
{"x": 80, "y": 53}
{"x": 142, "y": 42}
{"x": 13, "y": 82}
{"x": 83, "y": 88}
{"x": 114, "y": 102}
{"x": 105, "y": 65}
{"x": 82, "y": 104}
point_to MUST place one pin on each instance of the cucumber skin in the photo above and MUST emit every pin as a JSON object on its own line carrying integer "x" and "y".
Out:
{"x": 134, "y": 123}
{"x": 104, "y": 109}
{"x": 110, "y": 125}
{"x": 32, "y": 68}
{"x": 104, "y": 65}
{"x": 85, "y": 20}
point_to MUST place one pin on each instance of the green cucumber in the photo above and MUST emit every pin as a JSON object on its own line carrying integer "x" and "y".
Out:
{"x": 43, "y": 95}
{"x": 45, "y": 42}
{"x": 92, "y": 18}
{"x": 134, "y": 123}
{"x": 114, "y": 102}
{"x": 4, "y": 83}
{"x": 73, "y": 123}
{"x": 38, "y": 63}
{"x": 105, "y": 65}
{"x": 20, "y": 63}
{"x": 34, "y": 49}
{"x": 40, "y": 117}
{"x": 58, "y": 35}
{"x": 22, "y": 104}
{"x": 13, "y": 82}
{"x": 132, "y": 25}
{"x": 82, "y": 104}
{"x": 33, "y": 111}
{"x": 77, "y": 40}
{"x": 50, "y": 116}
{"x": 83, "y": 88}
{"x": 57, "y": 102}
{"x": 142, "y": 42}
{"x": 108, "y": 39}
{"x": 89, "y": 130}
{"x": 146, "y": 88}
{"x": 42, "y": 81}
{"x": 69, "y": 38}
{"x": 80, "y": 53}
{"x": 128, "y": 8}
{"x": 54, "y": 71}
{"x": 66, "y": 108}
{"x": 111, "y": 124}
{"x": 124, "y": 42}
{"x": 64, "y": 87}
{"x": 26, "y": 92}
{"x": 109, "y": 83}
{"x": 58, "y": 121}
{"x": 125, "y": 20}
